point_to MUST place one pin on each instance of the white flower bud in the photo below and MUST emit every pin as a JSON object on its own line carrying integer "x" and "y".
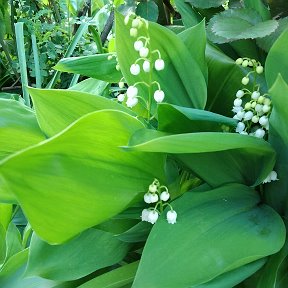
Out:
{"x": 171, "y": 217}
{"x": 164, "y": 196}
{"x": 121, "y": 84}
{"x": 255, "y": 95}
{"x": 248, "y": 116}
{"x": 253, "y": 104}
{"x": 159, "y": 64}
{"x": 131, "y": 102}
{"x": 263, "y": 120}
{"x": 138, "y": 45}
{"x": 258, "y": 108}
{"x": 247, "y": 106}
{"x": 273, "y": 176}
{"x": 259, "y": 69}
{"x": 240, "y": 94}
{"x": 144, "y": 215}
{"x": 255, "y": 119}
{"x": 132, "y": 92}
{"x": 126, "y": 19}
{"x": 240, "y": 127}
{"x": 237, "y": 102}
{"x": 266, "y": 108}
{"x": 146, "y": 66}
{"x": 153, "y": 188}
{"x": 147, "y": 198}
{"x": 143, "y": 52}
{"x": 133, "y": 32}
{"x": 159, "y": 96}
{"x": 267, "y": 101}
{"x": 245, "y": 80}
{"x": 154, "y": 198}
{"x": 261, "y": 100}
{"x": 239, "y": 61}
{"x": 245, "y": 63}
{"x": 121, "y": 97}
{"x": 152, "y": 217}
{"x": 259, "y": 133}
{"x": 135, "y": 69}
{"x": 135, "y": 23}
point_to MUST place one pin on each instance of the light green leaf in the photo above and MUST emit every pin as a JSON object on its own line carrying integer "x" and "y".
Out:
{"x": 277, "y": 62}
{"x": 5, "y": 214}
{"x": 116, "y": 278}
{"x": 276, "y": 191}
{"x": 236, "y": 24}
{"x": 176, "y": 119}
{"x": 186, "y": 86}
{"x": 83, "y": 170}
{"x": 148, "y": 10}
{"x": 2, "y": 244}
{"x": 92, "y": 86}
{"x": 195, "y": 40}
{"x": 216, "y": 232}
{"x": 82, "y": 261}
{"x": 94, "y": 66}
{"x": 56, "y": 109}
{"x": 18, "y": 127}
{"x": 230, "y": 157}
{"x": 206, "y": 4}
{"x": 13, "y": 241}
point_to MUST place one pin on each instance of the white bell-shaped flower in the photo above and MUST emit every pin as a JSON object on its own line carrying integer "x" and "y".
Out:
{"x": 135, "y": 69}
{"x": 144, "y": 215}
{"x": 240, "y": 94}
{"x": 263, "y": 120}
{"x": 154, "y": 198}
{"x": 245, "y": 80}
{"x": 121, "y": 97}
{"x": 138, "y": 45}
{"x": 273, "y": 176}
{"x": 255, "y": 95}
{"x": 159, "y": 64}
{"x": 259, "y": 69}
{"x": 146, "y": 66}
{"x": 131, "y": 102}
{"x": 133, "y": 32}
{"x": 248, "y": 115}
{"x": 266, "y": 108}
{"x": 153, "y": 216}
{"x": 147, "y": 198}
{"x": 159, "y": 96}
{"x": 259, "y": 133}
{"x": 240, "y": 127}
{"x": 143, "y": 52}
{"x": 132, "y": 92}
{"x": 153, "y": 188}
{"x": 171, "y": 217}
{"x": 164, "y": 196}
{"x": 237, "y": 102}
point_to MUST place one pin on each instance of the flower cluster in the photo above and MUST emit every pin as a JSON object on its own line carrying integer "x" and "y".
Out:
{"x": 158, "y": 196}
{"x": 251, "y": 109}
{"x": 271, "y": 177}
{"x": 143, "y": 63}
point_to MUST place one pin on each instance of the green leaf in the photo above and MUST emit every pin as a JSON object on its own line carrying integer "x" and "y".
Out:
{"x": 206, "y": 4}
{"x": 92, "y": 86}
{"x": 176, "y": 119}
{"x": 137, "y": 233}
{"x": 190, "y": 17}
{"x": 148, "y": 10}
{"x": 18, "y": 127}
{"x": 236, "y": 24}
{"x": 186, "y": 86}
{"x": 277, "y": 62}
{"x": 84, "y": 170}
{"x": 195, "y": 40}
{"x": 94, "y": 66}
{"x": 56, "y": 109}
{"x": 12, "y": 274}
{"x": 2, "y": 244}
{"x": 116, "y": 278}
{"x": 5, "y": 214}
{"x": 278, "y": 137}
{"x": 260, "y": 7}
{"x": 230, "y": 157}
{"x": 216, "y": 232}
{"x": 13, "y": 241}
{"x": 92, "y": 257}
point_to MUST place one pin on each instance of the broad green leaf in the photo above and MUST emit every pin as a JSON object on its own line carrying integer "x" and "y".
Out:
{"x": 274, "y": 270}
{"x": 190, "y": 17}
{"x": 186, "y": 86}
{"x": 267, "y": 42}
{"x": 56, "y": 109}
{"x": 92, "y": 86}
{"x": 195, "y": 40}
{"x": 236, "y": 24}
{"x": 137, "y": 233}
{"x": 276, "y": 61}
{"x": 260, "y": 7}
{"x": 230, "y": 157}
{"x": 82, "y": 261}
{"x": 206, "y": 4}
{"x": 94, "y": 66}
{"x": 18, "y": 127}
{"x": 116, "y": 278}
{"x": 5, "y": 214}
{"x": 11, "y": 96}
{"x": 216, "y": 232}
{"x": 84, "y": 170}
{"x": 231, "y": 278}
{"x": 2, "y": 244}
{"x": 176, "y": 119}
{"x": 276, "y": 191}
{"x": 148, "y": 10}
{"x": 13, "y": 241}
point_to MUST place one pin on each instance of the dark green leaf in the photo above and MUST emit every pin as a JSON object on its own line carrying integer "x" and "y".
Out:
{"x": 260, "y": 7}
{"x": 206, "y": 4}
{"x": 190, "y": 17}
{"x": 148, "y": 10}
{"x": 137, "y": 233}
